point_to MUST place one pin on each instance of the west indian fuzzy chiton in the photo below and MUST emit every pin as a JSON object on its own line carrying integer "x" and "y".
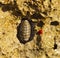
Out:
{"x": 24, "y": 30}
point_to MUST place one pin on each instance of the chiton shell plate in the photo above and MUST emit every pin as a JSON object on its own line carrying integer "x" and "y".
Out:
{"x": 25, "y": 30}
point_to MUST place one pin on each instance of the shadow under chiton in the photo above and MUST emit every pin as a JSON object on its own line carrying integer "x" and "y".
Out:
{"x": 25, "y": 31}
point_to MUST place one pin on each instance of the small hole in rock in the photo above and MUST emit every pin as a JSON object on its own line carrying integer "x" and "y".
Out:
{"x": 40, "y": 24}
{"x": 3, "y": 33}
{"x": 55, "y": 46}
{"x": 27, "y": 57}
{"x": 55, "y": 23}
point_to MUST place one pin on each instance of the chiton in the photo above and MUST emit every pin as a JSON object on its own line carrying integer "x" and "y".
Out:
{"x": 25, "y": 30}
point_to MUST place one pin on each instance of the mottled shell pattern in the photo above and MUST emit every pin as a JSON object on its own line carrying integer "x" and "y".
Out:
{"x": 25, "y": 30}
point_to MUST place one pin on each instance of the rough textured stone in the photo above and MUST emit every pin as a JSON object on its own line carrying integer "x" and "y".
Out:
{"x": 42, "y": 45}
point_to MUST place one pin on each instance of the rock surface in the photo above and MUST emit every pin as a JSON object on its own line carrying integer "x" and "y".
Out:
{"x": 42, "y": 45}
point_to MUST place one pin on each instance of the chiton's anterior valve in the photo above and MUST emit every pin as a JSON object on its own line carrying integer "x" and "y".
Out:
{"x": 24, "y": 30}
